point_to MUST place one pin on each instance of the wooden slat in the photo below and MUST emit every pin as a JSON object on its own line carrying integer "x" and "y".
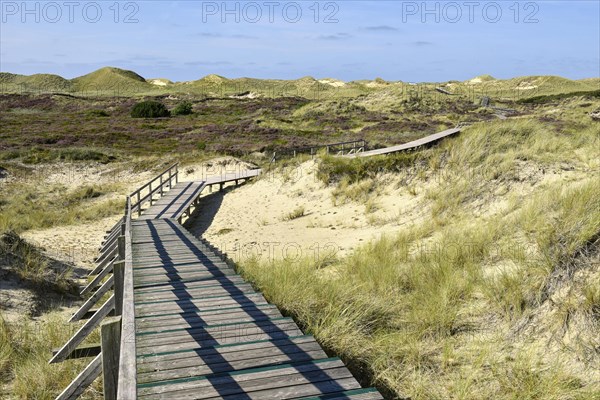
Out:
{"x": 84, "y": 331}
{"x": 216, "y": 337}
{"x": 356, "y": 394}
{"x": 98, "y": 278}
{"x": 190, "y": 320}
{"x": 173, "y": 357}
{"x": 223, "y": 280}
{"x": 254, "y": 380}
{"x": 93, "y": 299}
{"x": 83, "y": 380}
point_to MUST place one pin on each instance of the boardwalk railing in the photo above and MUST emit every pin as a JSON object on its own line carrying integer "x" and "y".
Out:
{"x": 340, "y": 148}
{"x": 415, "y": 144}
{"x": 126, "y": 379}
{"x": 147, "y": 192}
{"x": 115, "y": 356}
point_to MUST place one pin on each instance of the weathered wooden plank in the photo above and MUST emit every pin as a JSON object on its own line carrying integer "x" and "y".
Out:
{"x": 119, "y": 278}
{"x": 200, "y": 292}
{"x": 220, "y": 364}
{"x": 172, "y": 242}
{"x": 334, "y": 382}
{"x": 174, "y": 357}
{"x": 356, "y": 394}
{"x": 184, "y": 297}
{"x": 223, "y": 280}
{"x": 176, "y": 264}
{"x": 250, "y": 380}
{"x": 174, "y": 273}
{"x": 98, "y": 278}
{"x": 229, "y": 280}
{"x": 210, "y": 360}
{"x": 268, "y": 325}
{"x": 84, "y": 331}
{"x": 205, "y": 318}
{"x": 93, "y": 299}
{"x": 104, "y": 263}
{"x": 110, "y": 334}
{"x": 83, "y": 380}
{"x": 200, "y": 304}
{"x": 219, "y": 338}
{"x": 170, "y": 257}
{"x": 172, "y": 206}
{"x": 195, "y": 277}
{"x": 208, "y": 313}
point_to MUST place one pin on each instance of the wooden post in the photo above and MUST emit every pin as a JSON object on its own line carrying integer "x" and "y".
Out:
{"x": 161, "y": 186}
{"x": 220, "y": 187}
{"x": 118, "y": 275}
{"x": 150, "y": 192}
{"x": 121, "y": 247}
{"x": 139, "y": 206}
{"x": 110, "y": 334}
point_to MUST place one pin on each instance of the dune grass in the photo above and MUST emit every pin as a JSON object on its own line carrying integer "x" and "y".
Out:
{"x": 25, "y": 347}
{"x": 29, "y": 206}
{"x": 469, "y": 303}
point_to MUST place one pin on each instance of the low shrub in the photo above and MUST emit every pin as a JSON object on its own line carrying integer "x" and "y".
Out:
{"x": 150, "y": 109}
{"x": 184, "y": 108}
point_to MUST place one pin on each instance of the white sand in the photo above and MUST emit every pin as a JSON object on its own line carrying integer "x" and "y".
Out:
{"x": 251, "y": 220}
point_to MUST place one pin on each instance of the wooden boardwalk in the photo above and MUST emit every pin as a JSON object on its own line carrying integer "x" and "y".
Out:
{"x": 201, "y": 332}
{"x": 407, "y": 146}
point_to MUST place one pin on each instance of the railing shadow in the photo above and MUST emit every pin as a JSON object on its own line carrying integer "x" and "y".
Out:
{"x": 224, "y": 384}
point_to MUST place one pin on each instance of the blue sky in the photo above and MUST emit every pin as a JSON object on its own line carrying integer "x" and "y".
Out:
{"x": 348, "y": 40}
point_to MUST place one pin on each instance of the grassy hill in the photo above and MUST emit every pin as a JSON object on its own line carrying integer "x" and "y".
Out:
{"x": 37, "y": 83}
{"x": 110, "y": 81}
{"x": 113, "y": 81}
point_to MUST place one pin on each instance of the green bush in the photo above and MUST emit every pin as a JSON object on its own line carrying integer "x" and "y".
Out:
{"x": 184, "y": 108}
{"x": 201, "y": 146}
{"x": 150, "y": 109}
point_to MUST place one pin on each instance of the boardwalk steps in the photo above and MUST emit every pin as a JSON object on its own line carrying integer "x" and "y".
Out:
{"x": 191, "y": 327}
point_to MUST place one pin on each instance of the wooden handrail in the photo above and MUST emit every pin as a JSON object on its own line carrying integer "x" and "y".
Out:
{"x": 360, "y": 143}
{"x": 127, "y": 384}
{"x": 168, "y": 170}
{"x": 165, "y": 179}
